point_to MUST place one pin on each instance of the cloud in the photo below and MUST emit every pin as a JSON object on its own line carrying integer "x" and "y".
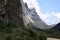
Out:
{"x": 29, "y": 3}
{"x": 57, "y": 14}
{"x": 56, "y": 21}
{"x": 52, "y": 20}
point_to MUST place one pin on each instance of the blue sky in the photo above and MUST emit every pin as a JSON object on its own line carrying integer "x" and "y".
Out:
{"x": 49, "y": 5}
{"x": 48, "y": 10}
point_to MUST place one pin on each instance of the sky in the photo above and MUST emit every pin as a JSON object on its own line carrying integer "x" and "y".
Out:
{"x": 48, "y": 10}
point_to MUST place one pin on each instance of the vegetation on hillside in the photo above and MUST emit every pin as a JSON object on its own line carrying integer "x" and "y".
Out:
{"x": 9, "y": 32}
{"x": 53, "y": 33}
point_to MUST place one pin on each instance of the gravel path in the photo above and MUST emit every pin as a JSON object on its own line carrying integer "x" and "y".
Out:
{"x": 52, "y": 39}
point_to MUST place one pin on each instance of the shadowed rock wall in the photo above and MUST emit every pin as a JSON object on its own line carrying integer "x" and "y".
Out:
{"x": 13, "y": 11}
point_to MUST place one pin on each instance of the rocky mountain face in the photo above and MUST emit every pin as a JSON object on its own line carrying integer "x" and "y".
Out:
{"x": 31, "y": 12}
{"x": 13, "y": 20}
{"x": 12, "y": 10}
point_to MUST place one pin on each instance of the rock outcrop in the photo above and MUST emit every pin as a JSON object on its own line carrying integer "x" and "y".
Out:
{"x": 13, "y": 11}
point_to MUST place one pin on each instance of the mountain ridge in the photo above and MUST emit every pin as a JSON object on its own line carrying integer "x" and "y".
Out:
{"x": 56, "y": 27}
{"x": 35, "y": 18}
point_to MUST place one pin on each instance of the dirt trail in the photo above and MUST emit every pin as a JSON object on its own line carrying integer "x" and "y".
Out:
{"x": 52, "y": 39}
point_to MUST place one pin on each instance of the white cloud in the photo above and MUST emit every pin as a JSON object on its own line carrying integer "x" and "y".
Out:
{"x": 56, "y": 21}
{"x": 29, "y": 3}
{"x": 57, "y": 14}
{"x": 44, "y": 16}
{"x": 52, "y": 21}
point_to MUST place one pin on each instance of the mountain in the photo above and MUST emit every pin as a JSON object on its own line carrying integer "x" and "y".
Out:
{"x": 12, "y": 27}
{"x": 54, "y": 31}
{"x": 52, "y": 25}
{"x": 56, "y": 27}
{"x": 31, "y": 12}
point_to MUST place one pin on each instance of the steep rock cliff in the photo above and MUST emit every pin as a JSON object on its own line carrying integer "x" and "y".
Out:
{"x": 12, "y": 13}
